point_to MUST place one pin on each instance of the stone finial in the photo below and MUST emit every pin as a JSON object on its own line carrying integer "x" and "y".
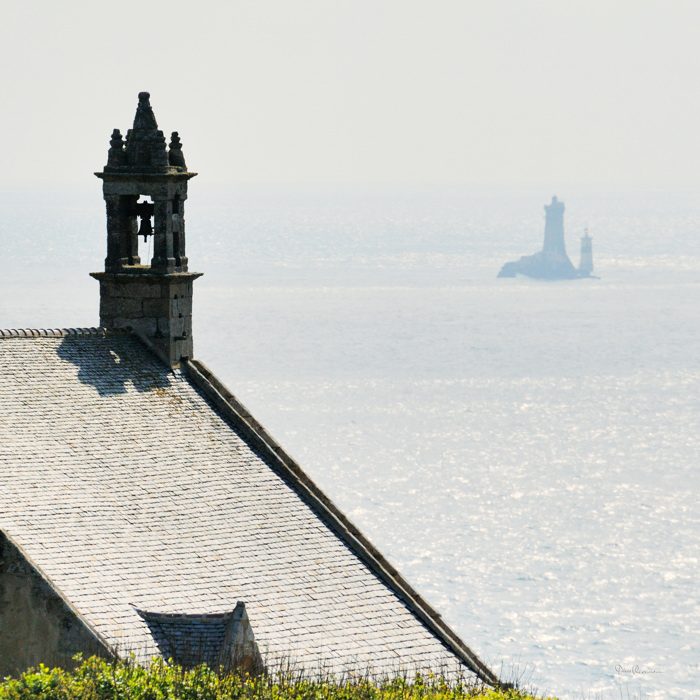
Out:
{"x": 145, "y": 119}
{"x": 175, "y": 155}
{"x": 116, "y": 157}
{"x": 145, "y": 144}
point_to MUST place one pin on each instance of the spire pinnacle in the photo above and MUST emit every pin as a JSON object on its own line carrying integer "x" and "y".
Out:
{"x": 175, "y": 155}
{"x": 145, "y": 120}
{"x": 145, "y": 149}
{"x": 116, "y": 156}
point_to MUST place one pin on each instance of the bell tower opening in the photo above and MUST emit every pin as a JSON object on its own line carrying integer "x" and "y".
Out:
{"x": 146, "y": 285}
{"x": 144, "y": 211}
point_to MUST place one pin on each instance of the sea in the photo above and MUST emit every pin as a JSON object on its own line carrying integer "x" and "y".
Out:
{"x": 525, "y": 452}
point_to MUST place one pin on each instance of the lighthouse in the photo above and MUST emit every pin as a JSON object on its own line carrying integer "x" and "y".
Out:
{"x": 554, "y": 228}
{"x": 586, "y": 265}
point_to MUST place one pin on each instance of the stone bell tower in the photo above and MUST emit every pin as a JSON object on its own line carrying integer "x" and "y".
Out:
{"x": 145, "y": 188}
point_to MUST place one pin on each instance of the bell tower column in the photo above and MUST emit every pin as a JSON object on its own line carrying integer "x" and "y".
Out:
{"x": 163, "y": 257}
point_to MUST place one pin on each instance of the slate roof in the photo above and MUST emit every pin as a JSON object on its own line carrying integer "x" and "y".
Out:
{"x": 135, "y": 488}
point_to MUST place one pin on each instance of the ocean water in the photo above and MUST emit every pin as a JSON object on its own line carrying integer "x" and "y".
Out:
{"x": 525, "y": 452}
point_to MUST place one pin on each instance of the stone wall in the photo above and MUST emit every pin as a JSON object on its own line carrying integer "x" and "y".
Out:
{"x": 158, "y": 306}
{"x": 36, "y": 625}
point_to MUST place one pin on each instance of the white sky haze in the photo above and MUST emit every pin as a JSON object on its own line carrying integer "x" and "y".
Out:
{"x": 359, "y": 91}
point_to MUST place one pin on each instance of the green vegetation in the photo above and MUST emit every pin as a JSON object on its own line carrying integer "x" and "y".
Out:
{"x": 97, "y": 679}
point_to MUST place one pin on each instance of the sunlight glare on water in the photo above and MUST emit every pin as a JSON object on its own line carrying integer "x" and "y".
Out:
{"x": 524, "y": 452}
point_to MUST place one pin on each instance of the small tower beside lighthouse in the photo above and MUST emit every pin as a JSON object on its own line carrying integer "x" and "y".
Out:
{"x": 145, "y": 188}
{"x": 586, "y": 265}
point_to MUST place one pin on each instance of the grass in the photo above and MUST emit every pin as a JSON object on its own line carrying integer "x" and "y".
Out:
{"x": 99, "y": 679}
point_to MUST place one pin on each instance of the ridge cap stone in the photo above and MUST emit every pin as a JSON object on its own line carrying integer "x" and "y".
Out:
{"x": 94, "y": 332}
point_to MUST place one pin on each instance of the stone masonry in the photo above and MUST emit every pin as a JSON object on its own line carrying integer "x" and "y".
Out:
{"x": 158, "y": 307}
{"x": 45, "y": 628}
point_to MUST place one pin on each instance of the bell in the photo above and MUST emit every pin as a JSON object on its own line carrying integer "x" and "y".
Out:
{"x": 145, "y": 229}
{"x": 145, "y": 211}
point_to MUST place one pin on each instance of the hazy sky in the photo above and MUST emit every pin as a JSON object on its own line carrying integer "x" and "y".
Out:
{"x": 494, "y": 91}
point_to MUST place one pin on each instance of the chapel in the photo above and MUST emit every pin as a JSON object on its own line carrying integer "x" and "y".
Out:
{"x": 144, "y": 511}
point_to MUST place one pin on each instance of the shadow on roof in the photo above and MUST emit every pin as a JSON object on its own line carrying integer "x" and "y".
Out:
{"x": 110, "y": 364}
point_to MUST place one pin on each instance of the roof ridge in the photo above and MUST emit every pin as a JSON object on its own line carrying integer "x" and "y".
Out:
{"x": 61, "y": 332}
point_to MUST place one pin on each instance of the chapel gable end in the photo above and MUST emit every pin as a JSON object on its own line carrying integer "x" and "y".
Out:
{"x": 37, "y": 625}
